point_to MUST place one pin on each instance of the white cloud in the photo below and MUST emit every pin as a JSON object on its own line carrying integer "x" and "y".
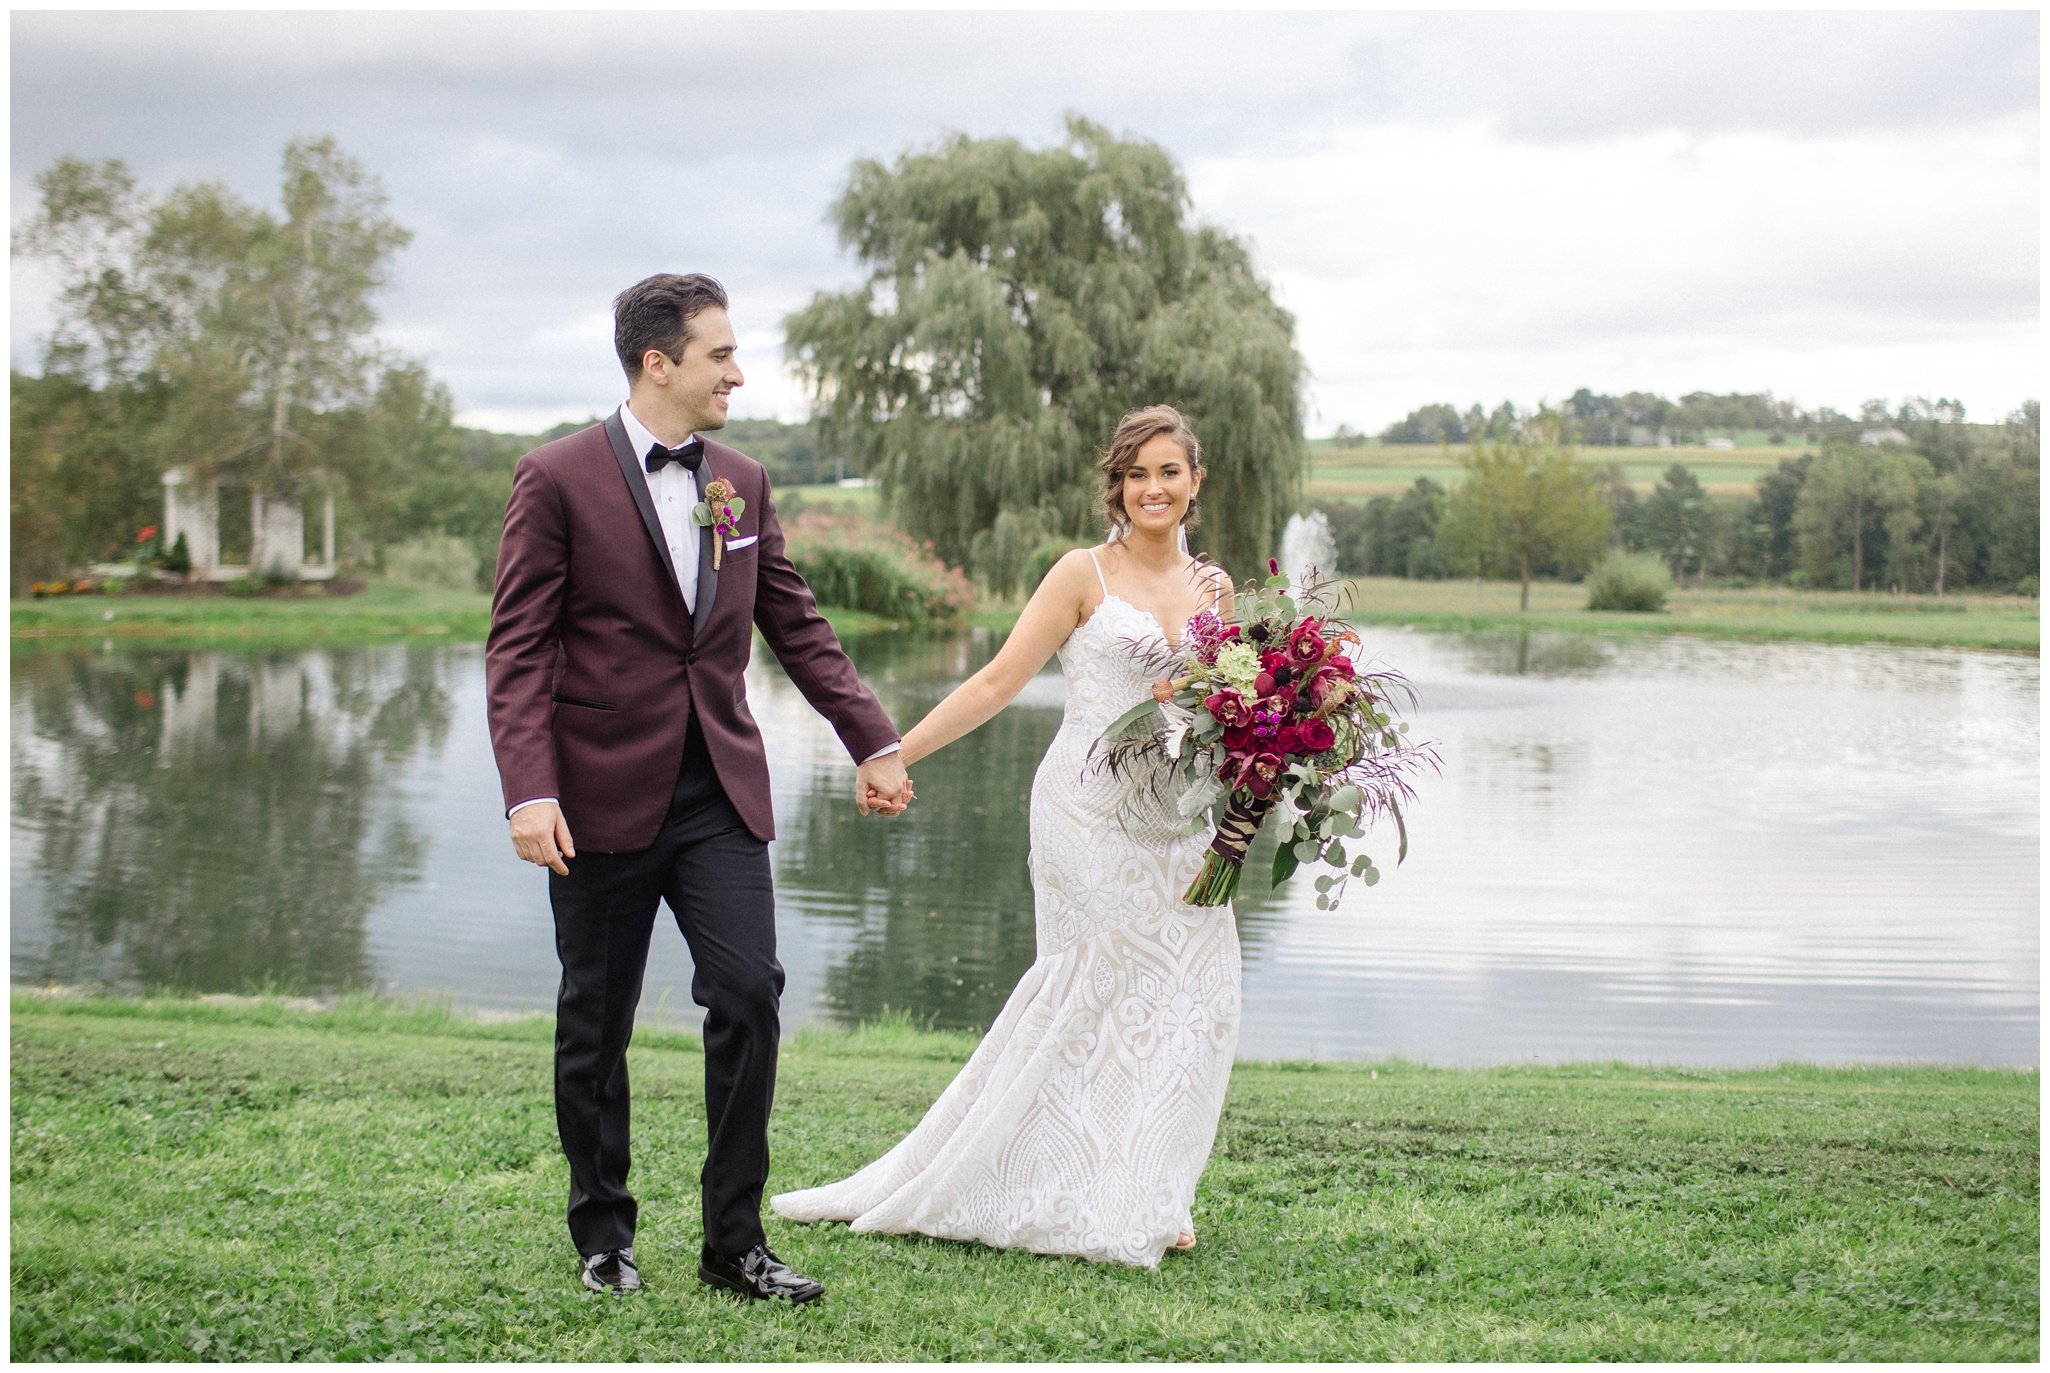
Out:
{"x": 1433, "y": 262}
{"x": 1457, "y": 206}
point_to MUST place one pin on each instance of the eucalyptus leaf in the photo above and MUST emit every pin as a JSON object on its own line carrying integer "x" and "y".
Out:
{"x": 1335, "y": 855}
{"x": 1371, "y": 876}
{"x": 1284, "y": 864}
{"x": 1132, "y": 717}
{"x": 1323, "y": 884}
{"x": 1401, "y": 834}
{"x": 1362, "y": 865}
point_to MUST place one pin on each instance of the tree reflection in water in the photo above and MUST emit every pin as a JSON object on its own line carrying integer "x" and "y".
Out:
{"x": 214, "y": 821}
{"x": 940, "y": 899}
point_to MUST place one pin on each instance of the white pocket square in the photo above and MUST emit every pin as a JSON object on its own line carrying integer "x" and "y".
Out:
{"x": 732, "y": 544}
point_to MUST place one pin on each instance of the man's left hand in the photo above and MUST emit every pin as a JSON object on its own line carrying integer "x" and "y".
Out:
{"x": 882, "y": 785}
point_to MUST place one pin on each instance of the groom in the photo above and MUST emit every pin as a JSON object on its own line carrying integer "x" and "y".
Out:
{"x": 637, "y": 562}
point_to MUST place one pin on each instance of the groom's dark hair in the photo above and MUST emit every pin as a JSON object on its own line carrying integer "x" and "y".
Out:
{"x": 656, "y": 313}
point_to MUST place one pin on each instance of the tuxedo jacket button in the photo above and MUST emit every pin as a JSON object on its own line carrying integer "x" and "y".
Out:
{"x": 690, "y": 657}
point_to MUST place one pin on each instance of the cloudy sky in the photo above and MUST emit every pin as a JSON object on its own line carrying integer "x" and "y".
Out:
{"x": 1831, "y": 206}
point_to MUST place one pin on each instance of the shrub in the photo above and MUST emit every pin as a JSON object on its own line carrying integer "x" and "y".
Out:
{"x": 432, "y": 562}
{"x": 858, "y": 564}
{"x": 1628, "y": 581}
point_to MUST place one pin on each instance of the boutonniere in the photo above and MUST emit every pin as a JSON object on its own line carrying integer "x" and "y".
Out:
{"x": 721, "y": 511}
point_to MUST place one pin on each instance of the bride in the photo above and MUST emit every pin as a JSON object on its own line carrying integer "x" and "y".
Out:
{"x": 1084, "y": 1118}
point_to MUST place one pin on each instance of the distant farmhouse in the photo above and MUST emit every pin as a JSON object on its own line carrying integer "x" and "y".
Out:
{"x": 1875, "y": 437}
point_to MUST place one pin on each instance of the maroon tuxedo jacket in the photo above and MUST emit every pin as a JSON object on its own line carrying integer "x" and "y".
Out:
{"x": 594, "y": 669}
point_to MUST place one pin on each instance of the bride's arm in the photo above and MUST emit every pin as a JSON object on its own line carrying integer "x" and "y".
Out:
{"x": 1048, "y": 619}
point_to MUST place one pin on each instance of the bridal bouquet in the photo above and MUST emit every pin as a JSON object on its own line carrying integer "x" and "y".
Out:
{"x": 1273, "y": 709}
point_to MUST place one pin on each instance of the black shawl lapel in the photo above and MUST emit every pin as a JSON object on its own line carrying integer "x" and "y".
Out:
{"x": 708, "y": 576}
{"x": 630, "y": 469}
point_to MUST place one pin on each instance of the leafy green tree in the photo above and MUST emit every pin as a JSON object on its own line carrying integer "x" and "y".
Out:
{"x": 1428, "y": 424}
{"x": 1858, "y": 501}
{"x": 1017, "y": 302}
{"x": 1525, "y": 502}
{"x": 279, "y": 317}
{"x": 1676, "y": 521}
{"x": 231, "y": 340}
{"x": 252, "y": 321}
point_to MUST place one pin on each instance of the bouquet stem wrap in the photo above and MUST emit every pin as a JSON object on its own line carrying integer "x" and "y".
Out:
{"x": 1218, "y": 881}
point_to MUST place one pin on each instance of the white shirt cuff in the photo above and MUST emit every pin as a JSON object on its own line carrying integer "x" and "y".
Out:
{"x": 884, "y": 752}
{"x": 524, "y": 804}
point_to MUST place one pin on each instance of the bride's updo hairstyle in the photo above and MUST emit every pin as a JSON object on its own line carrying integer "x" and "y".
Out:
{"x": 1133, "y": 432}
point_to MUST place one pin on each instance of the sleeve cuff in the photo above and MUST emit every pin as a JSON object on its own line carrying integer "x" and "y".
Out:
{"x": 879, "y": 753}
{"x": 533, "y": 802}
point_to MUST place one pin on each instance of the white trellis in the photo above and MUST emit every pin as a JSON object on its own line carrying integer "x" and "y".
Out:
{"x": 277, "y": 533}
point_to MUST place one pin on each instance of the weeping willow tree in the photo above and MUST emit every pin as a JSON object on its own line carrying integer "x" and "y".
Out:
{"x": 1017, "y": 303}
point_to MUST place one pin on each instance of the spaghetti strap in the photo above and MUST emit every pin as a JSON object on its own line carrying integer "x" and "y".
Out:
{"x": 1099, "y": 570}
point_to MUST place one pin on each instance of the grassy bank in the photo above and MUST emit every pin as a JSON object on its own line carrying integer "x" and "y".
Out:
{"x": 259, "y": 1182}
{"x": 382, "y": 613}
{"x": 1963, "y": 621}
{"x": 376, "y": 614}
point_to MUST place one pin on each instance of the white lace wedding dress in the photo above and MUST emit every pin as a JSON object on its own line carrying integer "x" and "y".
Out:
{"x": 1084, "y": 1118}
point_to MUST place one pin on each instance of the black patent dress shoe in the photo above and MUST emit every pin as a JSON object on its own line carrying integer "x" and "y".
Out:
{"x": 758, "y": 1275}
{"x": 612, "y": 1271}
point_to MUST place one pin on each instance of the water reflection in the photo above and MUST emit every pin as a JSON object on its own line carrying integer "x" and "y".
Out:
{"x": 1686, "y": 850}
{"x": 213, "y": 821}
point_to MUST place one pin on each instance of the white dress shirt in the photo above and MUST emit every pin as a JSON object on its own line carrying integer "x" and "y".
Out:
{"x": 675, "y": 492}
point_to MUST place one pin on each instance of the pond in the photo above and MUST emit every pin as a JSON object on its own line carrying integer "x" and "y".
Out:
{"x": 1653, "y": 849}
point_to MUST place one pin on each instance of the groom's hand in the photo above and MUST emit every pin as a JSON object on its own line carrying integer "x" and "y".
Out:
{"x": 541, "y": 836}
{"x": 881, "y": 784}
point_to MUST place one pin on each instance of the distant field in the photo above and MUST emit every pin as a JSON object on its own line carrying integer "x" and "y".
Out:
{"x": 825, "y": 497}
{"x": 1359, "y": 474}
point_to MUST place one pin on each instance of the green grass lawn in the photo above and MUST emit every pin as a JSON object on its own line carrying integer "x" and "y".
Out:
{"x": 262, "y": 1182}
{"x": 378, "y": 613}
{"x": 384, "y": 613}
{"x": 1967, "y": 621}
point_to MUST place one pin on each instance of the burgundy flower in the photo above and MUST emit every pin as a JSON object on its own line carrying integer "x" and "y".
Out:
{"x": 1317, "y": 735}
{"x": 1259, "y": 774}
{"x": 1290, "y": 739}
{"x": 1227, "y": 707}
{"x": 1273, "y": 568}
{"x": 1273, "y": 660}
{"x": 1263, "y": 685}
{"x": 1322, "y": 684}
{"x": 1285, "y": 698}
{"x": 1340, "y": 663}
{"x": 1306, "y": 645}
{"x": 1239, "y": 739}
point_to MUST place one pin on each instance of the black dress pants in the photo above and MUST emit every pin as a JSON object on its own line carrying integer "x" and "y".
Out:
{"x": 714, "y": 874}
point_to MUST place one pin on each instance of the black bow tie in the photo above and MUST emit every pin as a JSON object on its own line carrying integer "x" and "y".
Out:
{"x": 690, "y": 454}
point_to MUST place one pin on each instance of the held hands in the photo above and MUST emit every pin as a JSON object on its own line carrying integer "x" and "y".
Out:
{"x": 881, "y": 786}
{"x": 541, "y": 836}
